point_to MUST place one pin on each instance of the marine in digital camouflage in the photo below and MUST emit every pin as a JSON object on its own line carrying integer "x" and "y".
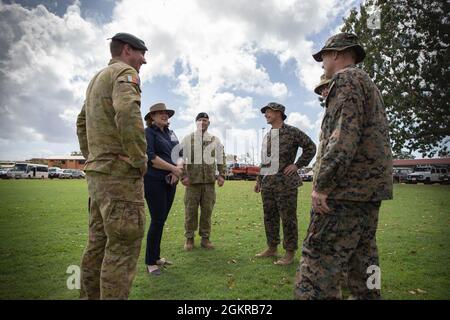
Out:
{"x": 204, "y": 156}
{"x": 343, "y": 240}
{"x": 278, "y": 191}
{"x": 353, "y": 168}
{"x": 354, "y": 159}
{"x": 110, "y": 126}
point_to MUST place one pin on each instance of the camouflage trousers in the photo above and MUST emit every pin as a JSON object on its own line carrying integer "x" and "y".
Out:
{"x": 116, "y": 228}
{"x": 203, "y": 195}
{"x": 280, "y": 202}
{"x": 342, "y": 241}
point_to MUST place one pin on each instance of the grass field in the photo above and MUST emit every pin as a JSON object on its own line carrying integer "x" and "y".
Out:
{"x": 43, "y": 230}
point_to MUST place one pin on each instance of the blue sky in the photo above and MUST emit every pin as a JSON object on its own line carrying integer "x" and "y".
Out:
{"x": 225, "y": 58}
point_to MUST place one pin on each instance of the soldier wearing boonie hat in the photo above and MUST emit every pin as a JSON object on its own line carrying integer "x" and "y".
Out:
{"x": 340, "y": 42}
{"x": 279, "y": 180}
{"x": 322, "y": 89}
{"x": 324, "y": 83}
{"x": 111, "y": 137}
{"x": 352, "y": 175}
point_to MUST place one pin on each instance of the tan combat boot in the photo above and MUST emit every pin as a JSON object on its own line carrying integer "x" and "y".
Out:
{"x": 287, "y": 259}
{"x": 189, "y": 245}
{"x": 206, "y": 244}
{"x": 269, "y": 252}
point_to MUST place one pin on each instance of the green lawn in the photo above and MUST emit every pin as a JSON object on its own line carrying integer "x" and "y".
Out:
{"x": 43, "y": 228}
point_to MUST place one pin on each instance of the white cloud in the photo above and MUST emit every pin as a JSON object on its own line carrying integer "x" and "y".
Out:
{"x": 300, "y": 121}
{"x": 209, "y": 48}
{"x": 45, "y": 64}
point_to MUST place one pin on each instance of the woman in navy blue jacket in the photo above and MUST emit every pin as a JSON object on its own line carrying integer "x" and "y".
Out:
{"x": 160, "y": 181}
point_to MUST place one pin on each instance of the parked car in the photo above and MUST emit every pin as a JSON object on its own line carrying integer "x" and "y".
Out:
{"x": 78, "y": 174}
{"x": 66, "y": 174}
{"x": 54, "y": 172}
{"x": 401, "y": 174}
{"x": 4, "y": 173}
{"x": 72, "y": 174}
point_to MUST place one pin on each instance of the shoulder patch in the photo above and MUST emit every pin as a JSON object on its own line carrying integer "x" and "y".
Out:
{"x": 134, "y": 79}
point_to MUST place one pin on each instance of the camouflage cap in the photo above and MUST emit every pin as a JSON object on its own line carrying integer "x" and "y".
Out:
{"x": 342, "y": 41}
{"x": 277, "y": 107}
{"x": 133, "y": 41}
{"x": 323, "y": 82}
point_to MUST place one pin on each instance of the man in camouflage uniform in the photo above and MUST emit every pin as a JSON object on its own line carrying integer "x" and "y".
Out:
{"x": 203, "y": 152}
{"x": 111, "y": 137}
{"x": 279, "y": 181}
{"x": 352, "y": 175}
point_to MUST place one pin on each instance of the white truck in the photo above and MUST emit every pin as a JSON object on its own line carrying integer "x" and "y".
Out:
{"x": 428, "y": 174}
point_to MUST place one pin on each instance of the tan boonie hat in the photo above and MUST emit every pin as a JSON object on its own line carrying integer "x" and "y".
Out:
{"x": 159, "y": 107}
{"x": 342, "y": 41}
{"x": 323, "y": 82}
{"x": 275, "y": 106}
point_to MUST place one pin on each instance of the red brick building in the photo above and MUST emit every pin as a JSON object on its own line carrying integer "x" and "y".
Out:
{"x": 66, "y": 162}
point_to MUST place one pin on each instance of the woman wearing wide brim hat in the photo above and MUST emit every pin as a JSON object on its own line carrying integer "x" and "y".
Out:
{"x": 160, "y": 181}
{"x": 158, "y": 107}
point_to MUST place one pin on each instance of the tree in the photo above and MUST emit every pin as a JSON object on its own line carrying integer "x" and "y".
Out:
{"x": 403, "y": 155}
{"x": 408, "y": 59}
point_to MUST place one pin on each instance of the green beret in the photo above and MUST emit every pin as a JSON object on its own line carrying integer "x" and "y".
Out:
{"x": 133, "y": 41}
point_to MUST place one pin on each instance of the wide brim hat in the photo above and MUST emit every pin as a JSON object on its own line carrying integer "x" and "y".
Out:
{"x": 339, "y": 42}
{"x": 275, "y": 106}
{"x": 323, "y": 82}
{"x": 159, "y": 107}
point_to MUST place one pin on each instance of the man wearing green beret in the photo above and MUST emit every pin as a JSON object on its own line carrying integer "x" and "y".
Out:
{"x": 111, "y": 136}
{"x": 352, "y": 175}
{"x": 205, "y": 164}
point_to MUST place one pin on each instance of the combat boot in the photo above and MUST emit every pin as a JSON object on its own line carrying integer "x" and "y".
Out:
{"x": 189, "y": 245}
{"x": 269, "y": 252}
{"x": 206, "y": 244}
{"x": 287, "y": 259}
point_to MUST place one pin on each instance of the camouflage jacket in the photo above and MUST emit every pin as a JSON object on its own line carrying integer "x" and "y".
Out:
{"x": 202, "y": 153}
{"x": 279, "y": 150}
{"x": 110, "y": 122}
{"x": 354, "y": 161}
